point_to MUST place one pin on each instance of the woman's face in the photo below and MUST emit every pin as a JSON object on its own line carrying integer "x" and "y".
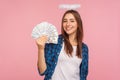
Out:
{"x": 70, "y": 24}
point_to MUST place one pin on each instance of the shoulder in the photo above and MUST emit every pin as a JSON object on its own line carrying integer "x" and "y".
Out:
{"x": 85, "y": 47}
{"x": 60, "y": 39}
{"x": 60, "y": 36}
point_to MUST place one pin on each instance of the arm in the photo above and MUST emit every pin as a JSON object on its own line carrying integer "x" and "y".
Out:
{"x": 41, "y": 59}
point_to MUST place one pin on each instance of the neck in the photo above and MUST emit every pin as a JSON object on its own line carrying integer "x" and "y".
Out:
{"x": 72, "y": 39}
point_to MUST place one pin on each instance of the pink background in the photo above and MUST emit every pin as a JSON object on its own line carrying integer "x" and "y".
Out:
{"x": 18, "y": 51}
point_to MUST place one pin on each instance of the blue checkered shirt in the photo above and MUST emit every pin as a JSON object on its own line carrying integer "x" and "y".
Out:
{"x": 52, "y": 52}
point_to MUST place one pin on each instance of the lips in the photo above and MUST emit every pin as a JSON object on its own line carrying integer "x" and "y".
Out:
{"x": 68, "y": 28}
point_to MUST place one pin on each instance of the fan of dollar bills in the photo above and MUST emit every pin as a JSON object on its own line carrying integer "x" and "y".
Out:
{"x": 45, "y": 28}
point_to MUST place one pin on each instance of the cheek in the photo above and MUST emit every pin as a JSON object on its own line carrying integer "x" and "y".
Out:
{"x": 76, "y": 26}
{"x": 64, "y": 26}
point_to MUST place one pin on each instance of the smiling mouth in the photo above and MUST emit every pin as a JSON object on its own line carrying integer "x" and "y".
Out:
{"x": 68, "y": 28}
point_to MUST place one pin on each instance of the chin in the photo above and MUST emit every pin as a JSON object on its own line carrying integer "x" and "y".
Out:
{"x": 69, "y": 33}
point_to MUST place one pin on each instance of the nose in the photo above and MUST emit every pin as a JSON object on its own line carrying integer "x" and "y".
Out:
{"x": 68, "y": 23}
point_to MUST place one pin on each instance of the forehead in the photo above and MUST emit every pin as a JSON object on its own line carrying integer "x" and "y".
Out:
{"x": 69, "y": 16}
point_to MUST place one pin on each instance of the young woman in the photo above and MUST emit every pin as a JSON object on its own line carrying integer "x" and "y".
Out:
{"x": 68, "y": 59}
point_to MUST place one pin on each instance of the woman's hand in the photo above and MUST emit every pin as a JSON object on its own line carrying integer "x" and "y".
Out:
{"x": 41, "y": 41}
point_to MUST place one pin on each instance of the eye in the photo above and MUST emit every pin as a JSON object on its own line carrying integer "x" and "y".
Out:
{"x": 64, "y": 20}
{"x": 72, "y": 21}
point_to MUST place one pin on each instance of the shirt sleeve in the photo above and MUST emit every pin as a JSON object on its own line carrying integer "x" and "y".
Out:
{"x": 44, "y": 73}
{"x": 87, "y": 59}
{"x": 85, "y": 62}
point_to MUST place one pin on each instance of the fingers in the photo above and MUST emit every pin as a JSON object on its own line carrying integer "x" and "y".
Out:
{"x": 41, "y": 40}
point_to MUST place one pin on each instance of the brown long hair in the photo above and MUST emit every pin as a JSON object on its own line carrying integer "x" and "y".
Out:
{"x": 79, "y": 34}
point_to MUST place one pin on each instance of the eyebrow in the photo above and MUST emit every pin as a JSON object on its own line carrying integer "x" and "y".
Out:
{"x": 70, "y": 19}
